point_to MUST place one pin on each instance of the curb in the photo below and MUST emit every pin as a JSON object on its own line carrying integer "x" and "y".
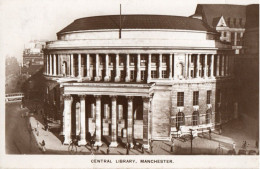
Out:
{"x": 34, "y": 134}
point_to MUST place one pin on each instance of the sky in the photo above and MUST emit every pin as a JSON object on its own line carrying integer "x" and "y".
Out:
{"x": 26, "y": 20}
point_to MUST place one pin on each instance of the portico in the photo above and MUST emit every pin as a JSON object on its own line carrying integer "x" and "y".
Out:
{"x": 104, "y": 110}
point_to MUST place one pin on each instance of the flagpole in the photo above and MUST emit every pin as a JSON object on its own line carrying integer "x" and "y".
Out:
{"x": 120, "y": 24}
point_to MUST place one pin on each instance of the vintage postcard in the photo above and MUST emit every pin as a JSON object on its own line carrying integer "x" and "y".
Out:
{"x": 130, "y": 84}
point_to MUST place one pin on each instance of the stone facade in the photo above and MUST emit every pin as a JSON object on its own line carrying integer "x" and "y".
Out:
{"x": 128, "y": 88}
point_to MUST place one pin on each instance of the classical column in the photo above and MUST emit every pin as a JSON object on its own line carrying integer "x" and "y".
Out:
{"x": 127, "y": 78}
{"x": 59, "y": 64}
{"x": 212, "y": 66}
{"x": 226, "y": 66}
{"x": 146, "y": 122}
{"x": 160, "y": 66}
{"x": 82, "y": 121}
{"x": 98, "y": 121}
{"x": 51, "y": 69}
{"x": 106, "y": 67}
{"x": 149, "y": 67}
{"x": 170, "y": 66}
{"x": 223, "y": 65}
{"x": 130, "y": 120}
{"x": 189, "y": 66}
{"x": 198, "y": 66}
{"x": 186, "y": 65}
{"x": 117, "y": 78}
{"x": 47, "y": 67}
{"x": 77, "y": 118}
{"x": 67, "y": 118}
{"x": 88, "y": 67}
{"x": 97, "y": 78}
{"x": 79, "y": 65}
{"x": 72, "y": 65}
{"x": 138, "y": 75}
{"x": 206, "y": 66}
{"x": 218, "y": 67}
{"x": 114, "y": 122}
{"x": 54, "y": 65}
{"x": 235, "y": 39}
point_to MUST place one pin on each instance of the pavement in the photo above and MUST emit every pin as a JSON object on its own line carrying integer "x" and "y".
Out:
{"x": 235, "y": 131}
{"x": 202, "y": 144}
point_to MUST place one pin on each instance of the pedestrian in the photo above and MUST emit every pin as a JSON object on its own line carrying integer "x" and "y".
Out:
{"x": 172, "y": 145}
{"x": 97, "y": 148}
{"x": 127, "y": 148}
{"x": 43, "y": 146}
{"x": 220, "y": 129}
{"x": 210, "y": 133}
{"x": 108, "y": 150}
{"x": 142, "y": 149}
{"x": 37, "y": 124}
{"x": 234, "y": 148}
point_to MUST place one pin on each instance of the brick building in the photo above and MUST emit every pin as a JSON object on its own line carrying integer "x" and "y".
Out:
{"x": 165, "y": 73}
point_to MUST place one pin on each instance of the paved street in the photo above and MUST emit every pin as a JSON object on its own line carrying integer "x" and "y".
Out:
{"x": 18, "y": 137}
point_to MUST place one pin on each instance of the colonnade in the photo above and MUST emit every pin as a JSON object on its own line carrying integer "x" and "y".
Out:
{"x": 163, "y": 66}
{"x": 81, "y": 123}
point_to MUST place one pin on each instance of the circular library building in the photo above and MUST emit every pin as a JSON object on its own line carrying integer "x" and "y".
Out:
{"x": 137, "y": 78}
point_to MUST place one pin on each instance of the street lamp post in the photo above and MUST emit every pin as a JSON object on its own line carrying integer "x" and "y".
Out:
{"x": 191, "y": 138}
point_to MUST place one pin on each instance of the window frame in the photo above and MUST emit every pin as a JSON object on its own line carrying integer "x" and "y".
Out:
{"x": 154, "y": 74}
{"x": 180, "y": 99}
{"x": 195, "y": 98}
{"x": 209, "y": 93}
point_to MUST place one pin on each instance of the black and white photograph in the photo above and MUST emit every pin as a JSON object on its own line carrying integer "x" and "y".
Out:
{"x": 129, "y": 84}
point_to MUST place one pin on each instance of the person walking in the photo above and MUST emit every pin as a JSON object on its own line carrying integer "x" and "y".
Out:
{"x": 151, "y": 146}
{"x": 127, "y": 148}
{"x": 108, "y": 150}
{"x": 172, "y": 145}
{"x": 220, "y": 129}
{"x": 142, "y": 149}
{"x": 234, "y": 148}
{"x": 43, "y": 146}
{"x": 210, "y": 133}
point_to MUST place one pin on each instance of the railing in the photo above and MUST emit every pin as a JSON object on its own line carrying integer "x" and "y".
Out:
{"x": 14, "y": 97}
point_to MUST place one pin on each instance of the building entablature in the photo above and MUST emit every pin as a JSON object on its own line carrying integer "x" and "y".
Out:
{"x": 144, "y": 90}
{"x": 135, "y": 43}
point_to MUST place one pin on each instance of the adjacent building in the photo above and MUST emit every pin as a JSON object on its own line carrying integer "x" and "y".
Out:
{"x": 157, "y": 76}
{"x": 228, "y": 20}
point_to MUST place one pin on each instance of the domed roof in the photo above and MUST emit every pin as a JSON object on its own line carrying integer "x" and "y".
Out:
{"x": 136, "y": 22}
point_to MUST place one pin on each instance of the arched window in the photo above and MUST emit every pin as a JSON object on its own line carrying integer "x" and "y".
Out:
{"x": 208, "y": 116}
{"x": 195, "y": 118}
{"x": 180, "y": 119}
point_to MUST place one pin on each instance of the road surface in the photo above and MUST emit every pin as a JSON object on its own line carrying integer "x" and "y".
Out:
{"x": 19, "y": 139}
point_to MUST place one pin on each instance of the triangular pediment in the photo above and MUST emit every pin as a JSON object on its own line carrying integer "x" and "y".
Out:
{"x": 221, "y": 22}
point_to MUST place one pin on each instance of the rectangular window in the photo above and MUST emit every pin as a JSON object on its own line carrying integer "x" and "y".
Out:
{"x": 111, "y": 60}
{"x": 164, "y": 74}
{"x": 180, "y": 99}
{"x": 208, "y": 96}
{"x": 132, "y": 75}
{"x": 195, "y": 98}
{"x": 112, "y": 73}
{"x": 132, "y": 59}
{"x": 121, "y": 60}
{"x": 122, "y": 74}
{"x": 153, "y": 59}
{"x": 164, "y": 59}
{"x": 225, "y": 34}
{"x": 143, "y": 75}
{"x": 154, "y": 74}
{"x": 143, "y": 59}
